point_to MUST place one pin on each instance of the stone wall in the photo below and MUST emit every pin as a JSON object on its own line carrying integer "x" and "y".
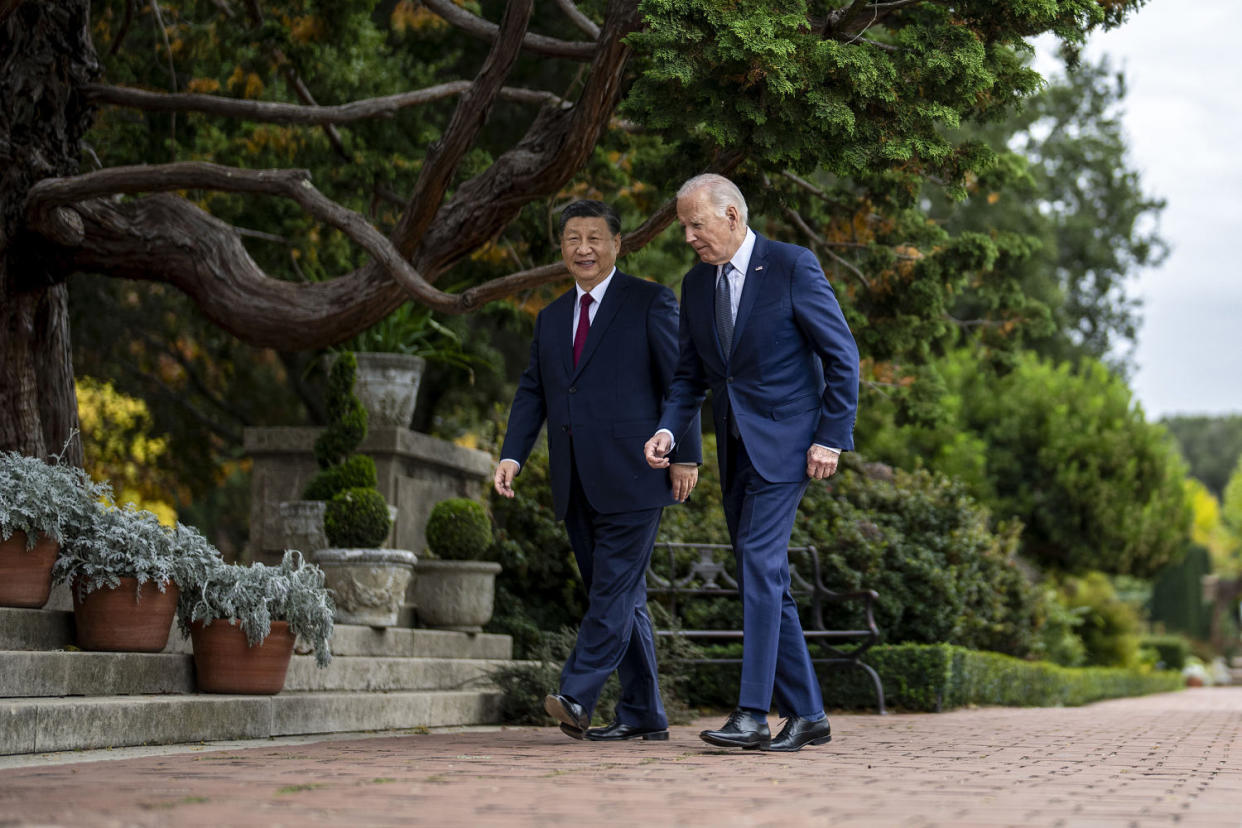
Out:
{"x": 415, "y": 472}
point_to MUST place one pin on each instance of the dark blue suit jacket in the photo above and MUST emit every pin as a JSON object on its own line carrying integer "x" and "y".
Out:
{"x": 791, "y": 378}
{"x": 610, "y": 403}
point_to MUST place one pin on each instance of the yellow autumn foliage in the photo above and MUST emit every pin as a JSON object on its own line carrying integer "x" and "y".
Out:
{"x": 1211, "y": 532}
{"x": 118, "y": 447}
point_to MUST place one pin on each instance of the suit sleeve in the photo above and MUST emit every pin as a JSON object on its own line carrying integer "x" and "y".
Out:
{"x": 819, "y": 317}
{"x": 529, "y": 407}
{"x": 686, "y": 392}
{"x": 662, "y": 326}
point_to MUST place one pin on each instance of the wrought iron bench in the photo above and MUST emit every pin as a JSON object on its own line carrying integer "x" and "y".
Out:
{"x": 672, "y": 582}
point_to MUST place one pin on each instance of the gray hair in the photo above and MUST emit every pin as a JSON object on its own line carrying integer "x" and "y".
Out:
{"x": 721, "y": 193}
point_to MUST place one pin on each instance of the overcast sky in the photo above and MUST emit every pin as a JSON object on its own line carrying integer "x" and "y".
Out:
{"x": 1183, "y": 116}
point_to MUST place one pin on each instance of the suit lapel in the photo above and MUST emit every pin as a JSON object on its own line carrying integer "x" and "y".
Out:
{"x": 613, "y": 299}
{"x": 752, "y": 287}
{"x": 560, "y": 328}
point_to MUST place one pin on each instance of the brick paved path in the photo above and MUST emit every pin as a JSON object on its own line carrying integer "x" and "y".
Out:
{"x": 1159, "y": 760}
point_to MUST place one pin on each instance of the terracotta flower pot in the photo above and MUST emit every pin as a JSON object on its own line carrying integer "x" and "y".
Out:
{"x": 125, "y": 619}
{"x": 26, "y": 575}
{"x": 225, "y": 663}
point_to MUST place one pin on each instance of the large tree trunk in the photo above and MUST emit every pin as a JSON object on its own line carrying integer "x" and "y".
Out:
{"x": 46, "y": 54}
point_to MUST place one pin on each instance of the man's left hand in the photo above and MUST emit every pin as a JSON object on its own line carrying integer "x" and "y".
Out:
{"x": 821, "y": 462}
{"x": 685, "y": 477}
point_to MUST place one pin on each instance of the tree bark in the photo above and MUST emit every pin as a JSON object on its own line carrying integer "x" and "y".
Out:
{"x": 47, "y": 55}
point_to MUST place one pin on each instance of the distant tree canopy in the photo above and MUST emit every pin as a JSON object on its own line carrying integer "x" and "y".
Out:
{"x": 442, "y": 138}
{"x": 1063, "y": 449}
{"x": 1212, "y": 447}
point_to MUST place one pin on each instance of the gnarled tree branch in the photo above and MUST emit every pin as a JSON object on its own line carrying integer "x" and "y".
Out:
{"x": 579, "y": 19}
{"x": 480, "y": 28}
{"x": 285, "y": 113}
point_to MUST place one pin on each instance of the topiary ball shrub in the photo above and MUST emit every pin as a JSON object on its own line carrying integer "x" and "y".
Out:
{"x": 358, "y": 471}
{"x": 356, "y": 519}
{"x": 459, "y": 530}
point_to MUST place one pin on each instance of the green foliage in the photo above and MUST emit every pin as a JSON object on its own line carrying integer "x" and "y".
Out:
{"x": 938, "y": 677}
{"x": 55, "y": 499}
{"x": 459, "y": 529}
{"x": 1058, "y": 640}
{"x": 1231, "y": 502}
{"x": 357, "y": 471}
{"x": 356, "y": 519}
{"x": 1177, "y": 595}
{"x": 256, "y": 595}
{"x": 1064, "y": 450}
{"x": 1110, "y": 626}
{"x": 1169, "y": 652}
{"x": 538, "y": 587}
{"x": 125, "y": 542}
{"x": 347, "y": 419}
{"x": 1212, "y": 447}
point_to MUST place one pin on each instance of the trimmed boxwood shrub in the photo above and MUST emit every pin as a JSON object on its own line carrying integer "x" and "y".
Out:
{"x": 356, "y": 519}
{"x": 935, "y": 677}
{"x": 1168, "y": 651}
{"x": 358, "y": 471}
{"x": 459, "y": 529}
{"x": 357, "y": 514}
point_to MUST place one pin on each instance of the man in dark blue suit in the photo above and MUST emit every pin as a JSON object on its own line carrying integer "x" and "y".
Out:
{"x": 761, "y": 327}
{"x": 601, "y": 360}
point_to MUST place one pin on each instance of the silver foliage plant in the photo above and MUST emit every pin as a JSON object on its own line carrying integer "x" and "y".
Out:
{"x": 126, "y": 542}
{"x": 256, "y": 595}
{"x": 56, "y": 499}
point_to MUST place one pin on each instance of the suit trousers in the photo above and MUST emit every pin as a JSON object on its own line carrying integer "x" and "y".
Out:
{"x": 775, "y": 659}
{"x": 613, "y": 552}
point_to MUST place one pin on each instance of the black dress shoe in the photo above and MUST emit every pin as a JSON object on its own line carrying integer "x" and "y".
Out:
{"x": 743, "y": 729}
{"x": 566, "y": 711}
{"x": 573, "y": 732}
{"x": 617, "y": 732}
{"x": 798, "y": 733}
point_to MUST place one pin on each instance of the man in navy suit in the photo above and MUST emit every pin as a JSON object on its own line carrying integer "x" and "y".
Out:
{"x": 601, "y": 360}
{"x": 761, "y": 327}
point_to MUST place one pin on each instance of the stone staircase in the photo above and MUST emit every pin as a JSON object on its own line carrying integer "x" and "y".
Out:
{"x": 54, "y": 697}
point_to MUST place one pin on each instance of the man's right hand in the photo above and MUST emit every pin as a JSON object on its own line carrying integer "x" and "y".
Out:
{"x": 503, "y": 479}
{"x": 656, "y": 450}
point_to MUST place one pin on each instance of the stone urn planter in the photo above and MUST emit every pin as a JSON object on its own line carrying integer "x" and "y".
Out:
{"x": 301, "y": 524}
{"x": 368, "y": 585}
{"x": 387, "y": 385}
{"x": 455, "y": 595}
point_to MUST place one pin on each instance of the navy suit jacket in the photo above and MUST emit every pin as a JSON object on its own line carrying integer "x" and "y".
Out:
{"x": 610, "y": 403}
{"x": 791, "y": 378}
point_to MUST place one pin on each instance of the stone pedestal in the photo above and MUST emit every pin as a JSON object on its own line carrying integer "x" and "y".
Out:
{"x": 415, "y": 472}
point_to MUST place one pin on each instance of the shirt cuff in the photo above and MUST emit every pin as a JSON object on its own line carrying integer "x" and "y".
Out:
{"x": 511, "y": 460}
{"x": 671, "y": 439}
{"x": 830, "y": 448}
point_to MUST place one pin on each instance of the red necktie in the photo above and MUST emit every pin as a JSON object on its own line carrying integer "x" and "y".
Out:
{"x": 584, "y": 323}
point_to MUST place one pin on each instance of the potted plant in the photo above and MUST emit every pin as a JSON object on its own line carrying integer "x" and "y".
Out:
{"x": 126, "y": 570}
{"x": 368, "y": 582}
{"x": 243, "y": 620}
{"x": 40, "y": 505}
{"x": 453, "y": 587}
{"x": 392, "y": 355}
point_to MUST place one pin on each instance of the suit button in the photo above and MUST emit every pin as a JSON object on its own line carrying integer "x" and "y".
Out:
{"x": 564, "y": 428}
{"x": 730, "y": 379}
{"x": 573, "y": 389}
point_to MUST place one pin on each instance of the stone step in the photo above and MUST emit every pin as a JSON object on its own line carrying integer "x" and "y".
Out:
{"x": 35, "y": 629}
{"x": 53, "y": 724}
{"x": 27, "y": 629}
{"x": 60, "y": 673}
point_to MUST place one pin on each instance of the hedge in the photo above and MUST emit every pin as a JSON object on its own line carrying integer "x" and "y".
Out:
{"x": 937, "y": 677}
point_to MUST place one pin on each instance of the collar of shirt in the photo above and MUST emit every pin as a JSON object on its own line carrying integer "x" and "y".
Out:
{"x": 597, "y": 294}
{"x": 737, "y": 276}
